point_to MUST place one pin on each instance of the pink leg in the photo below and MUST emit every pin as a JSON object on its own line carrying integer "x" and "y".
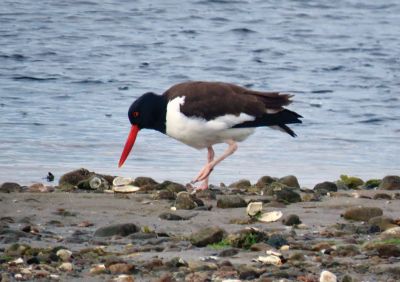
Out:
{"x": 206, "y": 170}
{"x": 210, "y": 158}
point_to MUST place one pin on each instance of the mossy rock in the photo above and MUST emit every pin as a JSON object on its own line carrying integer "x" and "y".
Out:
{"x": 206, "y": 236}
{"x": 390, "y": 182}
{"x": 94, "y": 182}
{"x": 372, "y": 183}
{"x": 264, "y": 181}
{"x": 241, "y": 184}
{"x": 76, "y": 176}
{"x": 290, "y": 181}
{"x": 351, "y": 182}
{"x": 144, "y": 181}
{"x": 246, "y": 238}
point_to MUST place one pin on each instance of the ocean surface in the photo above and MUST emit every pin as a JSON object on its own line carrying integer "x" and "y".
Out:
{"x": 70, "y": 69}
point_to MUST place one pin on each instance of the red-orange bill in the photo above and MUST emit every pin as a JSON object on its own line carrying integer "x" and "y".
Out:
{"x": 129, "y": 144}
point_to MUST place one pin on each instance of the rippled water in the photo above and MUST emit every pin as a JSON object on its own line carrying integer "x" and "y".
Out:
{"x": 70, "y": 69}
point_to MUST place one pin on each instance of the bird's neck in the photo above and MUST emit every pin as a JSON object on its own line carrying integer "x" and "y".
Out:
{"x": 159, "y": 114}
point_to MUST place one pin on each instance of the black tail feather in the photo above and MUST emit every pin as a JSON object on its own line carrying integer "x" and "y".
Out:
{"x": 279, "y": 119}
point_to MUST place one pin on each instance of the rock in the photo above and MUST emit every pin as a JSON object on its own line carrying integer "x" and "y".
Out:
{"x": 260, "y": 247}
{"x": 66, "y": 266}
{"x": 291, "y": 219}
{"x": 76, "y": 176}
{"x": 324, "y": 187}
{"x": 123, "y": 278}
{"x": 290, "y": 181}
{"x": 165, "y": 195}
{"x": 246, "y": 238}
{"x": 362, "y": 213}
{"x": 123, "y": 229}
{"x": 372, "y": 183}
{"x": 121, "y": 268}
{"x": 10, "y": 187}
{"x": 206, "y": 236}
{"x": 64, "y": 255}
{"x": 230, "y": 201}
{"x": 264, "y": 181}
{"x": 185, "y": 201}
{"x": 144, "y": 181}
{"x": 287, "y": 195}
{"x": 274, "y": 260}
{"x": 277, "y": 241}
{"x": 39, "y": 188}
{"x": 241, "y": 184}
{"x": 174, "y": 187}
{"x": 171, "y": 216}
{"x": 206, "y": 194}
{"x": 382, "y": 196}
{"x": 383, "y": 222}
{"x": 351, "y": 182}
{"x": 390, "y": 182}
{"x": 254, "y": 208}
{"x": 98, "y": 269}
{"x": 392, "y": 233}
{"x": 346, "y": 250}
{"x": 228, "y": 252}
{"x": 387, "y": 250}
{"x": 11, "y": 236}
{"x": 327, "y": 276}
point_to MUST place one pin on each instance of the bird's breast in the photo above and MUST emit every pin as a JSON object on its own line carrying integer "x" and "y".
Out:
{"x": 200, "y": 133}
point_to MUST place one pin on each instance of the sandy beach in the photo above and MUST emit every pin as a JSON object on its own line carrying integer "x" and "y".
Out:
{"x": 163, "y": 233}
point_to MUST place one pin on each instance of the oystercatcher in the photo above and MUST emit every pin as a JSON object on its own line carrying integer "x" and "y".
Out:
{"x": 201, "y": 114}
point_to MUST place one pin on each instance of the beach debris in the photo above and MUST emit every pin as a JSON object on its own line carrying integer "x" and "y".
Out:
{"x": 50, "y": 177}
{"x": 254, "y": 208}
{"x": 270, "y": 216}
{"x": 125, "y": 189}
{"x": 64, "y": 254}
{"x": 327, "y": 276}
{"x": 122, "y": 181}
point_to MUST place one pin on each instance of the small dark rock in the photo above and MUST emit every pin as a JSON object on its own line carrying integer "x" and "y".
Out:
{"x": 165, "y": 195}
{"x": 264, "y": 181}
{"x": 228, "y": 252}
{"x": 33, "y": 260}
{"x": 11, "y": 236}
{"x": 144, "y": 181}
{"x": 347, "y": 251}
{"x": 390, "y": 182}
{"x": 50, "y": 177}
{"x": 123, "y": 229}
{"x": 230, "y": 201}
{"x": 246, "y": 238}
{"x": 383, "y": 222}
{"x": 291, "y": 219}
{"x": 186, "y": 201}
{"x": 388, "y": 250}
{"x": 277, "y": 241}
{"x": 241, "y": 184}
{"x": 325, "y": 187}
{"x": 290, "y": 181}
{"x": 287, "y": 195}
{"x": 174, "y": 187}
{"x": 206, "y": 236}
{"x": 10, "y": 187}
{"x": 362, "y": 213}
{"x": 382, "y": 196}
{"x": 206, "y": 194}
{"x": 171, "y": 216}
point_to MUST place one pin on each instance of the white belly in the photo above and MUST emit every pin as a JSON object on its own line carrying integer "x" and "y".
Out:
{"x": 200, "y": 133}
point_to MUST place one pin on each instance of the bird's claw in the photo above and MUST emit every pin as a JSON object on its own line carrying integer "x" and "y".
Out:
{"x": 204, "y": 173}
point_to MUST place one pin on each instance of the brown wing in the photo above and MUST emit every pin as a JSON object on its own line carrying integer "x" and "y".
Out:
{"x": 212, "y": 99}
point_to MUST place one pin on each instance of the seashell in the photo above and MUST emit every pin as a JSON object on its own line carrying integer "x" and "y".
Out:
{"x": 270, "y": 260}
{"x": 270, "y": 216}
{"x": 95, "y": 182}
{"x": 125, "y": 189}
{"x": 122, "y": 181}
{"x": 254, "y": 208}
{"x": 274, "y": 253}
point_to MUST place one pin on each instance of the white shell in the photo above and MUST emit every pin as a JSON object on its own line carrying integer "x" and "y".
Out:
{"x": 254, "y": 208}
{"x": 95, "y": 182}
{"x": 271, "y": 216}
{"x": 274, "y": 253}
{"x": 122, "y": 181}
{"x": 270, "y": 260}
{"x": 125, "y": 189}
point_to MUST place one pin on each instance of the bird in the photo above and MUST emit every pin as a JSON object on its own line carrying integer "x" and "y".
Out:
{"x": 201, "y": 114}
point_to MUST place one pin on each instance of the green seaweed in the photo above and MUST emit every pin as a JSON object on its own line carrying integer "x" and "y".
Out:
{"x": 351, "y": 182}
{"x": 220, "y": 245}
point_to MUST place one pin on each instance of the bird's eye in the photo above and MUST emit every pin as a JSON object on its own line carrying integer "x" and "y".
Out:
{"x": 135, "y": 114}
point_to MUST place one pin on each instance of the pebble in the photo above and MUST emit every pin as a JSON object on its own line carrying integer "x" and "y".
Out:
{"x": 98, "y": 269}
{"x": 123, "y": 229}
{"x": 66, "y": 266}
{"x": 327, "y": 276}
{"x": 206, "y": 236}
{"x": 121, "y": 268}
{"x": 230, "y": 201}
{"x": 64, "y": 254}
{"x": 362, "y": 213}
{"x": 292, "y": 219}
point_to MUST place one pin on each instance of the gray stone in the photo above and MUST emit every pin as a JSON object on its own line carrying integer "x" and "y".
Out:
{"x": 231, "y": 201}
{"x": 207, "y": 236}
{"x": 291, "y": 219}
{"x": 76, "y": 176}
{"x": 123, "y": 229}
{"x": 241, "y": 184}
{"x": 171, "y": 216}
{"x": 362, "y": 213}
{"x": 144, "y": 181}
{"x": 9, "y": 187}
{"x": 290, "y": 181}
{"x": 324, "y": 187}
{"x": 390, "y": 182}
{"x": 287, "y": 195}
{"x": 185, "y": 201}
{"x": 264, "y": 181}
{"x": 383, "y": 222}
